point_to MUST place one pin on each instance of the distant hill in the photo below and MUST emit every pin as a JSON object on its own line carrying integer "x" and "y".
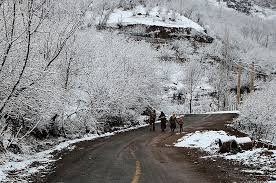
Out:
{"x": 266, "y": 3}
{"x": 263, "y": 9}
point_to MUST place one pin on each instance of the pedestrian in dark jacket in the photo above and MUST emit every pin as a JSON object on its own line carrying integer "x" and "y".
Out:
{"x": 180, "y": 122}
{"x": 163, "y": 120}
{"x": 173, "y": 122}
{"x": 152, "y": 120}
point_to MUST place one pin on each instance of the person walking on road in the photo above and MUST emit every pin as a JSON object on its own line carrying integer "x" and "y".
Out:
{"x": 173, "y": 122}
{"x": 152, "y": 120}
{"x": 163, "y": 120}
{"x": 180, "y": 121}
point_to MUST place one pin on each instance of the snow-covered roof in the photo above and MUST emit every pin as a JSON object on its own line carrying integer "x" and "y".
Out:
{"x": 156, "y": 17}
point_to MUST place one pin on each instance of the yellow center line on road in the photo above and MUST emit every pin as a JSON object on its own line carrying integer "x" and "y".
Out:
{"x": 138, "y": 172}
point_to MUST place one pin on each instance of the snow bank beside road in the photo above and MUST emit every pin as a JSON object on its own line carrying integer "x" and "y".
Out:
{"x": 259, "y": 159}
{"x": 263, "y": 156}
{"x": 24, "y": 164}
{"x": 206, "y": 140}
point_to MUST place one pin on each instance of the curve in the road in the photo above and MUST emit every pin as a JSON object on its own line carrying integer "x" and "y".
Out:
{"x": 132, "y": 157}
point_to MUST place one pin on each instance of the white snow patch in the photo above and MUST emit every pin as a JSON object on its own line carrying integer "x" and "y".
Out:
{"x": 243, "y": 140}
{"x": 262, "y": 161}
{"x": 205, "y": 140}
{"x": 255, "y": 155}
{"x": 2, "y": 176}
{"x": 155, "y": 17}
{"x": 253, "y": 171}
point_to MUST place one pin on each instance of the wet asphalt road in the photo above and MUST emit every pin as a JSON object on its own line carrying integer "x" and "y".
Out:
{"x": 132, "y": 157}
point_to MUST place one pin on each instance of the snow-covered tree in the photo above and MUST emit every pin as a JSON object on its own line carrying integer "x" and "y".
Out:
{"x": 115, "y": 78}
{"x": 33, "y": 36}
{"x": 192, "y": 79}
{"x": 258, "y": 116}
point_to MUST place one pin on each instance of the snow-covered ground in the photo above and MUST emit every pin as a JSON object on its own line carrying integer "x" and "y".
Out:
{"x": 24, "y": 164}
{"x": 206, "y": 141}
{"x": 157, "y": 16}
{"x": 258, "y": 161}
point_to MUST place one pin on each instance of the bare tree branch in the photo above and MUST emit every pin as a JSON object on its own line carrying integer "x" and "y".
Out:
{"x": 10, "y": 42}
{"x": 30, "y": 6}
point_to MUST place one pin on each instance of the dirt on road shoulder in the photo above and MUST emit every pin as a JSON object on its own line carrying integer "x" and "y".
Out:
{"x": 215, "y": 168}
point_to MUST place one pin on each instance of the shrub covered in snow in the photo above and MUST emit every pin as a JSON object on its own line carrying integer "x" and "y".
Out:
{"x": 115, "y": 78}
{"x": 258, "y": 117}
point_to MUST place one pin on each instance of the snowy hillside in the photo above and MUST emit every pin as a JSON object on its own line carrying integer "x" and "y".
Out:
{"x": 247, "y": 7}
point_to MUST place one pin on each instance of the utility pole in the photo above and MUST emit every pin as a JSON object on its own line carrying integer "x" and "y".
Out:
{"x": 239, "y": 85}
{"x": 252, "y": 77}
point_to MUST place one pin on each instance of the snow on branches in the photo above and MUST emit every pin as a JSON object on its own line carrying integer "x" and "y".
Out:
{"x": 33, "y": 36}
{"x": 257, "y": 116}
{"x": 116, "y": 78}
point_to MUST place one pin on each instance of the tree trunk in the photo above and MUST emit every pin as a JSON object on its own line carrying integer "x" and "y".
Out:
{"x": 190, "y": 106}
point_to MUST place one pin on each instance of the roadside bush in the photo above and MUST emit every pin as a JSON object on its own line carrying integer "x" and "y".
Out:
{"x": 258, "y": 118}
